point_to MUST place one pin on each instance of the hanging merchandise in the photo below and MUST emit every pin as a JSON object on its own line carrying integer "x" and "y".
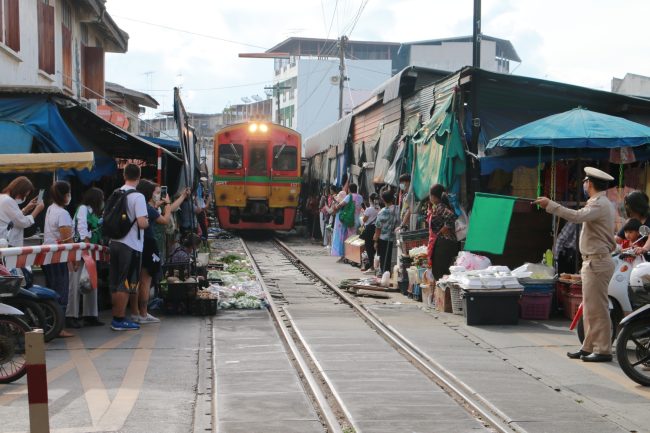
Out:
{"x": 489, "y": 223}
{"x": 622, "y": 155}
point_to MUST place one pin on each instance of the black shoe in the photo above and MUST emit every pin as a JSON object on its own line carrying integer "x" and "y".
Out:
{"x": 72, "y": 322}
{"x": 577, "y": 355}
{"x": 597, "y": 357}
{"x": 92, "y": 321}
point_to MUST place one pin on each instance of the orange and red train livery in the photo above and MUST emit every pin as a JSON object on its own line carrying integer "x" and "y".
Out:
{"x": 256, "y": 176}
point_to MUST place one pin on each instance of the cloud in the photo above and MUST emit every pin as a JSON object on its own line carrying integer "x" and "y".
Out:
{"x": 583, "y": 42}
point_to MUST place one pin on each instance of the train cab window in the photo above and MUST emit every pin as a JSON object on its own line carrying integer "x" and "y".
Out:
{"x": 231, "y": 156}
{"x": 257, "y": 161}
{"x": 285, "y": 158}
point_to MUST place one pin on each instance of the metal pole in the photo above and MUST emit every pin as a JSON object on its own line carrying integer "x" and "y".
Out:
{"x": 342, "y": 41}
{"x": 474, "y": 97}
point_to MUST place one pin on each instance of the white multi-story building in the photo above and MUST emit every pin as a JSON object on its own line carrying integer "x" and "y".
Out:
{"x": 310, "y": 77}
{"x": 57, "y": 43}
{"x": 307, "y": 72}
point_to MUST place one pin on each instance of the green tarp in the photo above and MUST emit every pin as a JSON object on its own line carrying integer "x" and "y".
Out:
{"x": 439, "y": 152}
{"x": 489, "y": 223}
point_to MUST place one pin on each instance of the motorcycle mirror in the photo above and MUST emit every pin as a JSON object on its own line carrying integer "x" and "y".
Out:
{"x": 644, "y": 230}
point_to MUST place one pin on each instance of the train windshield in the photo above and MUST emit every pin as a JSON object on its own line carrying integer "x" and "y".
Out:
{"x": 257, "y": 161}
{"x": 285, "y": 158}
{"x": 230, "y": 156}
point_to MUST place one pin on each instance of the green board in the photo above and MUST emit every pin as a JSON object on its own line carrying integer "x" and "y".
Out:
{"x": 489, "y": 223}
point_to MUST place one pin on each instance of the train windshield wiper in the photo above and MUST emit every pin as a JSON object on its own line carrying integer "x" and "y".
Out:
{"x": 234, "y": 149}
{"x": 280, "y": 150}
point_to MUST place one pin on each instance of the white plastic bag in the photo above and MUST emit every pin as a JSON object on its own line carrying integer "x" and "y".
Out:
{"x": 85, "y": 286}
{"x": 385, "y": 279}
{"x": 462, "y": 224}
{"x": 471, "y": 261}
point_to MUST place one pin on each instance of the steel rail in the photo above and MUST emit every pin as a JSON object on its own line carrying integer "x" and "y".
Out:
{"x": 330, "y": 419}
{"x": 473, "y": 399}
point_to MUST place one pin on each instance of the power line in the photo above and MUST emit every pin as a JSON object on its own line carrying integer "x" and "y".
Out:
{"x": 189, "y": 32}
{"x": 210, "y": 88}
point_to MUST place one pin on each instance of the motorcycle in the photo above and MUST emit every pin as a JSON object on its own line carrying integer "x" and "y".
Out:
{"x": 12, "y": 334}
{"x": 627, "y": 267}
{"x": 633, "y": 346}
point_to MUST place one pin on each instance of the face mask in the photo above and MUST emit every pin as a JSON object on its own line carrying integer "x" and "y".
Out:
{"x": 20, "y": 201}
{"x": 68, "y": 200}
{"x": 156, "y": 197}
{"x": 402, "y": 186}
{"x": 585, "y": 191}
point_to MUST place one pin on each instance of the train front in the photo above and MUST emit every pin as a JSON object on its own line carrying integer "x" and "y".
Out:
{"x": 256, "y": 176}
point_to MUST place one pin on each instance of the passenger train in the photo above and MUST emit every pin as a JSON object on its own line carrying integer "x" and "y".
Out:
{"x": 257, "y": 176}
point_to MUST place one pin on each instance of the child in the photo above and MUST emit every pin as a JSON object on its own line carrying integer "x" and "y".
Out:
{"x": 631, "y": 230}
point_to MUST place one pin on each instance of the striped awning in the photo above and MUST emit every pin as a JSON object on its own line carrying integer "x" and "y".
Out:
{"x": 40, "y": 162}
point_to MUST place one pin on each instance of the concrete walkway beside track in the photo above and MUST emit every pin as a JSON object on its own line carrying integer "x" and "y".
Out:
{"x": 523, "y": 370}
{"x": 257, "y": 388}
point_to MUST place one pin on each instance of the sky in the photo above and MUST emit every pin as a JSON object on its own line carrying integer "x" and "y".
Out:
{"x": 582, "y": 42}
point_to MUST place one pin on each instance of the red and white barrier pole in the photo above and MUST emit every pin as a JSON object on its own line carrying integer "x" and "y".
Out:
{"x": 39, "y": 418}
{"x": 159, "y": 175}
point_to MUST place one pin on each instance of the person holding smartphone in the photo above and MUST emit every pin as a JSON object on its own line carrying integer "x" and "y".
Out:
{"x": 13, "y": 220}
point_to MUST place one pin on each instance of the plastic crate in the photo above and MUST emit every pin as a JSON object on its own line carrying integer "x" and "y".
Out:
{"x": 491, "y": 307}
{"x": 413, "y": 239}
{"x": 538, "y": 287}
{"x": 203, "y": 307}
{"x": 571, "y": 303}
{"x": 457, "y": 306}
{"x": 181, "y": 291}
{"x": 536, "y": 306}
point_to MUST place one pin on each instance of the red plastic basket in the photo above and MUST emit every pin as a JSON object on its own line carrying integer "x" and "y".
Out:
{"x": 571, "y": 303}
{"x": 536, "y": 305}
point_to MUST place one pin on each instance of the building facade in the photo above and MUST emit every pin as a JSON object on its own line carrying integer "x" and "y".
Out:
{"x": 58, "y": 43}
{"x": 125, "y": 107}
{"x": 632, "y": 85}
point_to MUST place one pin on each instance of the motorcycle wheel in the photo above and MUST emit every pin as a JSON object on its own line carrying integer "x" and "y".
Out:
{"x": 633, "y": 351}
{"x": 615, "y": 317}
{"x": 54, "y": 318}
{"x": 33, "y": 313}
{"x": 13, "y": 365}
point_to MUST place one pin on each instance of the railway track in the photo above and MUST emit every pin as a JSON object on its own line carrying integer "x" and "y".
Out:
{"x": 360, "y": 375}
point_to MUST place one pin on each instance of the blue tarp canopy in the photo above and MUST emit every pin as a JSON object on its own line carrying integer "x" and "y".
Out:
{"x": 575, "y": 129}
{"x": 171, "y": 145}
{"x": 33, "y": 124}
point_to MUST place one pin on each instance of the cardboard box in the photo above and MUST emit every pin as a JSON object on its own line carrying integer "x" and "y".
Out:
{"x": 442, "y": 298}
{"x": 354, "y": 248}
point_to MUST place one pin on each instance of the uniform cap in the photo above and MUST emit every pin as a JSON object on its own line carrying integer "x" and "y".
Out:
{"x": 594, "y": 173}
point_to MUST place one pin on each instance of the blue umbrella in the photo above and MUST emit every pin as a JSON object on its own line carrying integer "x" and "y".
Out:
{"x": 574, "y": 129}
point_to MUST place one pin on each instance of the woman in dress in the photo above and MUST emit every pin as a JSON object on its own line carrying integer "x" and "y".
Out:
{"x": 341, "y": 231}
{"x": 369, "y": 217}
{"x": 443, "y": 246}
{"x": 86, "y": 226}
{"x": 58, "y": 230}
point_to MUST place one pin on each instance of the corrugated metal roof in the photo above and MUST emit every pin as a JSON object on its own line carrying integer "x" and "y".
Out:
{"x": 422, "y": 76}
{"x": 334, "y": 135}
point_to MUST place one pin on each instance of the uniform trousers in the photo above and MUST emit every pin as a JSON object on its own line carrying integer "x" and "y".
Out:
{"x": 596, "y": 274}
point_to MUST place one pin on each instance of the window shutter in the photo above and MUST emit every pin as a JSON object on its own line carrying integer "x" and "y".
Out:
{"x": 93, "y": 66}
{"x": 13, "y": 25}
{"x": 46, "y": 37}
{"x": 66, "y": 41}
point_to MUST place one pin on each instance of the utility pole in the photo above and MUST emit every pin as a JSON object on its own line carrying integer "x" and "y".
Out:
{"x": 474, "y": 180}
{"x": 342, "y": 78}
{"x": 276, "y": 92}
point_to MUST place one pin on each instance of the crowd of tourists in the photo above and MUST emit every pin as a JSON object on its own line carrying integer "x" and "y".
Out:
{"x": 136, "y": 254}
{"x": 380, "y": 216}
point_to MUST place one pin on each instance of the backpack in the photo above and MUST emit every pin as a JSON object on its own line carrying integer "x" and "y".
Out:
{"x": 116, "y": 220}
{"x": 346, "y": 215}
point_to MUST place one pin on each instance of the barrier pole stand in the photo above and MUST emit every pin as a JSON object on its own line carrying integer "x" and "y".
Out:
{"x": 39, "y": 418}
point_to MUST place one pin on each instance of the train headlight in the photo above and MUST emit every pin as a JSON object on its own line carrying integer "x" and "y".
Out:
{"x": 252, "y": 127}
{"x": 264, "y": 127}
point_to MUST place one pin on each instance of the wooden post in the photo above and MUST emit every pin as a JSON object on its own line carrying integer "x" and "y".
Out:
{"x": 39, "y": 418}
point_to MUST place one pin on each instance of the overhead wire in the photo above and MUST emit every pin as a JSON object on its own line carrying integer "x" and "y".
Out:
{"x": 246, "y": 44}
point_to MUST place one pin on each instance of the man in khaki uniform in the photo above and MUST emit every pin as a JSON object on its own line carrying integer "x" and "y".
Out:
{"x": 596, "y": 245}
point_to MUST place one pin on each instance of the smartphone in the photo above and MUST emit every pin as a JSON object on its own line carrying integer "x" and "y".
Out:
{"x": 40, "y": 196}
{"x": 163, "y": 192}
